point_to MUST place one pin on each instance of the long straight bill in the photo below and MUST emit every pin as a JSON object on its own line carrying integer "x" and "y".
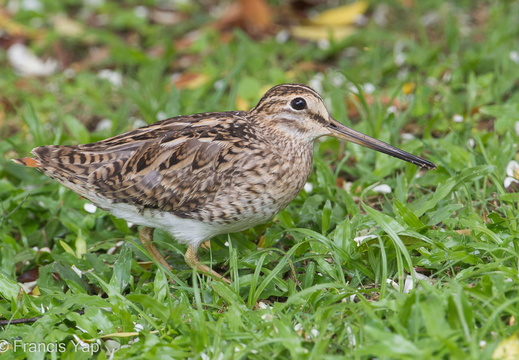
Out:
{"x": 343, "y": 132}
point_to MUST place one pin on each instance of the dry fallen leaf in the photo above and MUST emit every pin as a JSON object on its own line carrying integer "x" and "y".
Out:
{"x": 16, "y": 29}
{"x": 256, "y": 14}
{"x": 189, "y": 80}
{"x": 166, "y": 16}
{"x": 253, "y": 16}
{"x": 95, "y": 57}
{"x": 463, "y": 232}
{"x": 407, "y": 3}
{"x": 508, "y": 349}
{"x": 315, "y": 33}
{"x": 66, "y": 26}
{"x": 342, "y": 15}
{"x": 336, "y": 23}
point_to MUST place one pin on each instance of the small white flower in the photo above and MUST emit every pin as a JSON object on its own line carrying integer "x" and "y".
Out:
{"x": 431, "y": 81}
{"x": 512, "y": 170}
{"x": 113, "y": 249}
{"x": 314, "y": 332}
{"x": 267, "y": 317}
{"x": 27, "y": 5}
{"x": 514, "y": 56}
{"x": 90, "y": 208}
{"x": 28, "y": 286}
{"x": 81, "y": 343}
{"x": 482, "y": 344}
{"x": 360, "y": 239}
{"x": 391, "y": 109}
{"x": 138, "y": 327}
{"x": 69, "y": 73}
{"x": 382, "y": 189}
{"x": 338, "y": 79}
{"x": 111, "y": 347}
{"x": 457, "y": 118}
{"x": 141, "y": 12}
{"x": 431, "y": 18}
{"x": 408, "y": 284}
{"x": 516, "y": 127}
{"x": 347, "y": 186}
{"x": 309, "y": 187}
{"x": 226, "y": 244}
{"x": 161, "y": 115}
{"x": 323, "y": 44}
{"x": 219, "y": 84}
{"x": 471, "y": 142}
{"x": 264, "y": 306}
{"x": 392, "y": 283}
{"x": 137, "y": 123}
{"x": 351, "y": 336}
{"x": 93, "y": 3}
{"x": 81, "y": 329}
{"x": 298, "y": 327}
{"x": 381, "y": 15}
{"x": 113, "y": 77}
{"x": 316, "y": 82}
{"x": 407, "y": 136}
{"x": 76, "y": 270}
{"x": 104, "y": 125}
{"x": 353, "y": 89}
{"x": 399, "y": 59}
{"x": 27, "y": 64}
{"x": 369, "y": 88}
{"x": 282, "y": 36}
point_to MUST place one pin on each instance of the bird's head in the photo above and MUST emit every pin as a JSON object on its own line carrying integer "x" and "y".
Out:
{"x": 298, "y": 111}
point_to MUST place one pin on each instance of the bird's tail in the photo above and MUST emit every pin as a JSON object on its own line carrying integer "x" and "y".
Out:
{"x": 28, "y": 161}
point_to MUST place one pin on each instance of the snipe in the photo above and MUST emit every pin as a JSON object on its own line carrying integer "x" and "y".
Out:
{"x": 201, "y": 175}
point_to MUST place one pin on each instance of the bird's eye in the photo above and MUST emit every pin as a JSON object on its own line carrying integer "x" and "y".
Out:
{"x": 298, "y": 104}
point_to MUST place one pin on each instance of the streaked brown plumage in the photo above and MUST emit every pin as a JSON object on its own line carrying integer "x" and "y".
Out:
{"x": 200, "y": 175}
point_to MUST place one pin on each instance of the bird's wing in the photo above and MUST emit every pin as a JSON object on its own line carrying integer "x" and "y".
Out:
{"x": 165, "y": 166}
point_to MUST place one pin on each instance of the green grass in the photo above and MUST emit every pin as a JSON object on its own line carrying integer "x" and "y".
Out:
{"x": 437, "y": 277}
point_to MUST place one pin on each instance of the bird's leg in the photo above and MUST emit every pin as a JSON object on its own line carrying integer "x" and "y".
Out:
{"x": 146, "y": 235}
{"x": 193, "y": 261}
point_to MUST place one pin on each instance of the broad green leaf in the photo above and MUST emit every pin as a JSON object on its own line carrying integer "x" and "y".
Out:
{"x": 8, "y": 287}
{"x": 122, "y": 267}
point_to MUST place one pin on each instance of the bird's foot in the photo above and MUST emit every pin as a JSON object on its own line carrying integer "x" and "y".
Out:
{"x": 146, "y": 235}
{"x": 194, "y": 262}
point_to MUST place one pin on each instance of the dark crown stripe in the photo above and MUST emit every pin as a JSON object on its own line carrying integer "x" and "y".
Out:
{"x": 280, "y": 92}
